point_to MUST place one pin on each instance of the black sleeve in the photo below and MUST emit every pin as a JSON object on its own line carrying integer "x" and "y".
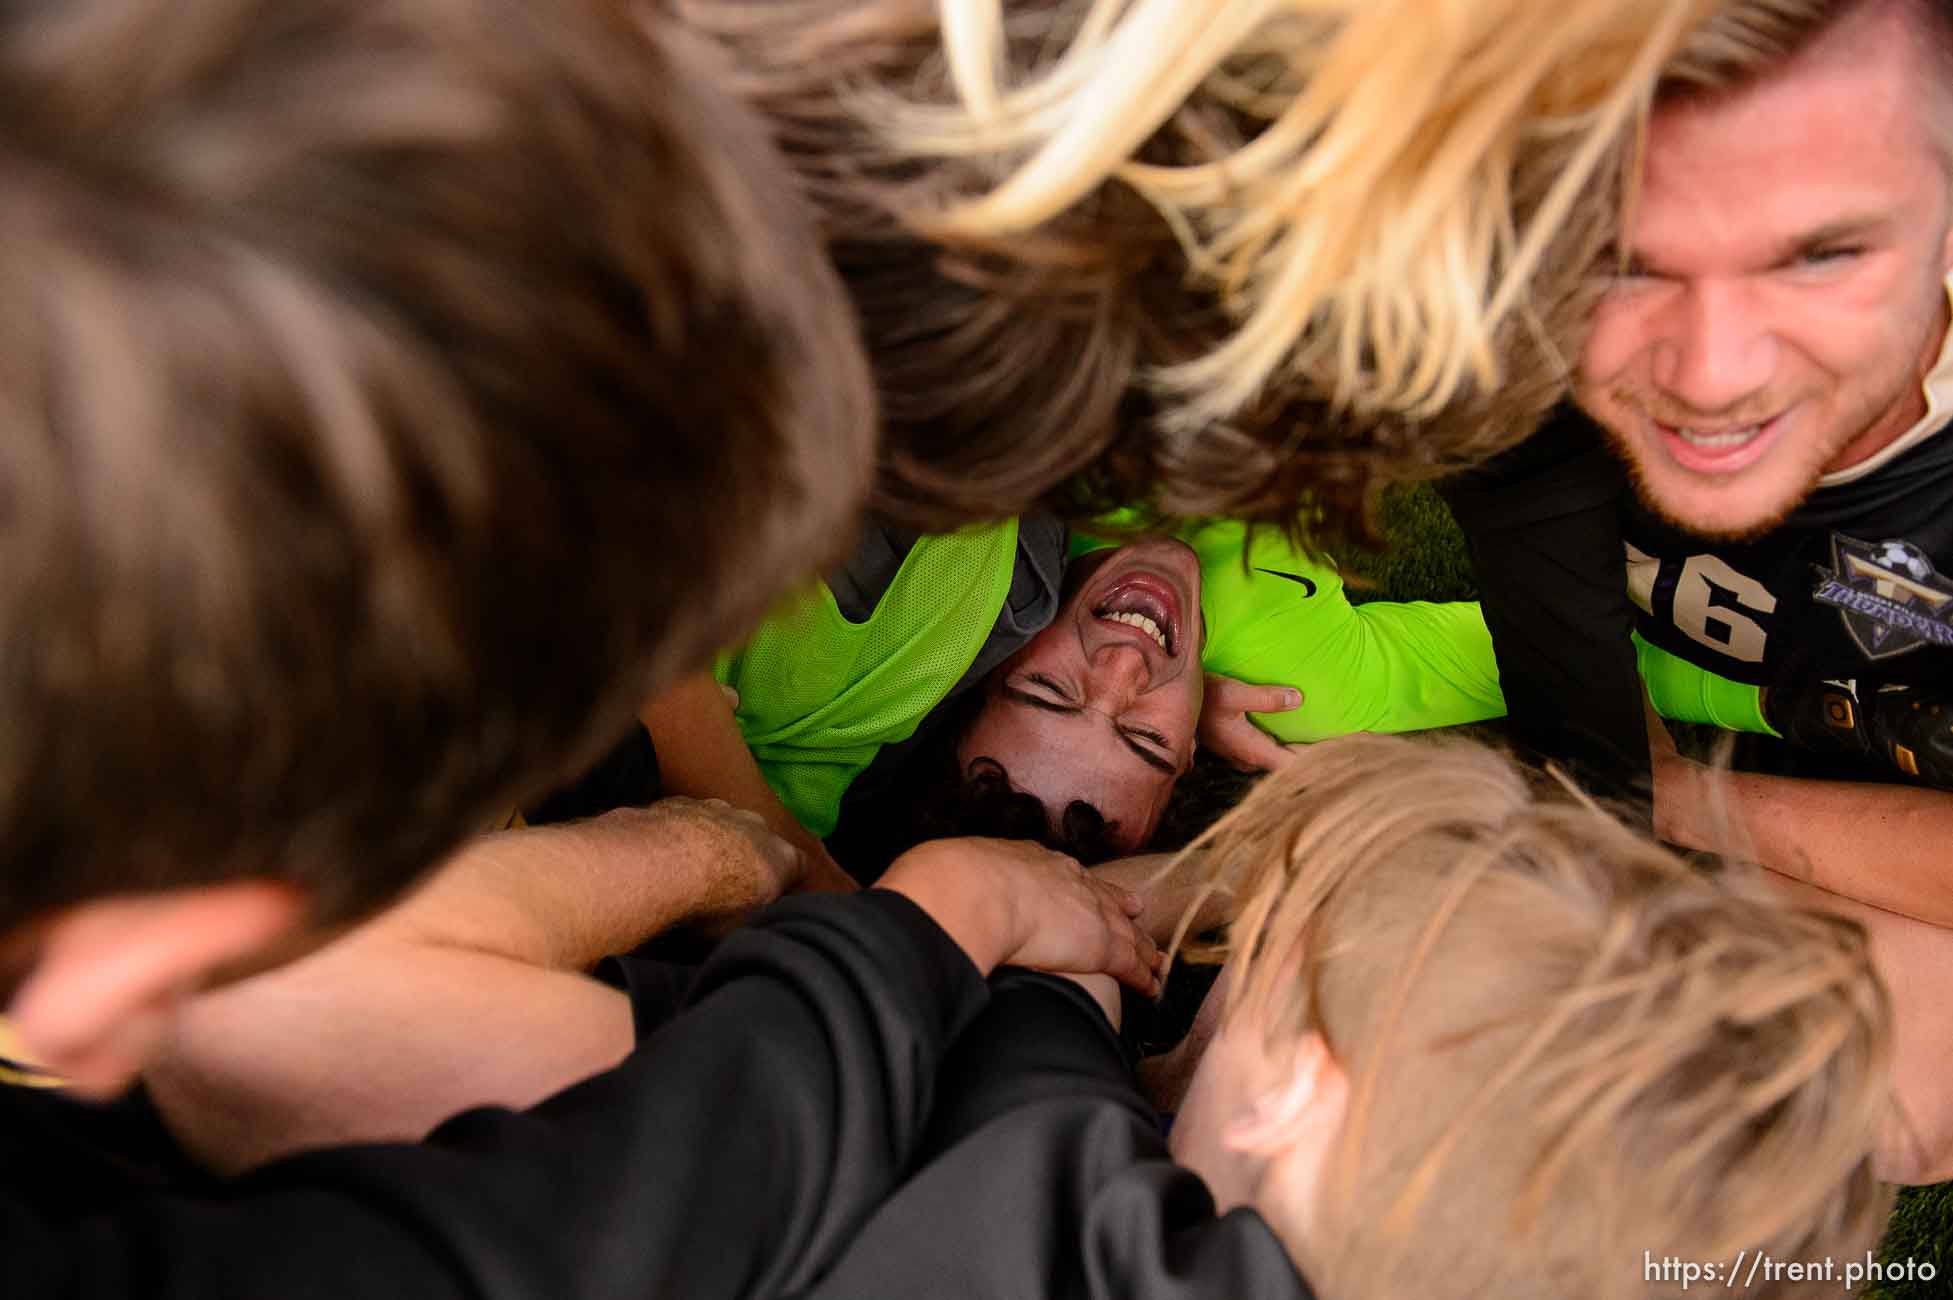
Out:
{"x": 733, "y": 1154}
{"x": 1046, "y": 1039}
{"x": 1046, "y": 1174}
{"x": 1543, "y": 524}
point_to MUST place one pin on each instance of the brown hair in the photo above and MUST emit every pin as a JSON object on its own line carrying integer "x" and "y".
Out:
{"x": 390, "y": 395}
{"x": 1565, "y": 1046}
{"x": 1749, "y": 43}
{"x": 1077, "y": 341}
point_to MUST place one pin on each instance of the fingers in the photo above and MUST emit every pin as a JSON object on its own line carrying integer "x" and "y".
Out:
{"x": 1232, "y": 695}
{"x": 1243, "y": 744}
{"x": 1226, "y": 731}
{"x": 787, "y": 863}
{"x": 1263, "y": 753}
{"x": 1131, "y": 957}
{"x": 1015, "y": 903}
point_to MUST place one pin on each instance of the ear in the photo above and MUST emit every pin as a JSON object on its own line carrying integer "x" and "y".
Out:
{"x": 109, "y": 972}
{"x": 1306, "y": 1099}
{"x": 1293, "y": 1130}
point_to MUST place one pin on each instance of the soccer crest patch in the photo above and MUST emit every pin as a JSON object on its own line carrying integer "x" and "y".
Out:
{"x": 1889, "y": 595}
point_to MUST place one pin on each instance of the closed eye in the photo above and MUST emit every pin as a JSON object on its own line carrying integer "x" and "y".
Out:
{"x": 1133, "y": 736}
{"x": 1050, "y": 685}
{"x": 1053, "y": 698}
{"x": 1048, "y": 695}
{"x": 1830, "y": 255}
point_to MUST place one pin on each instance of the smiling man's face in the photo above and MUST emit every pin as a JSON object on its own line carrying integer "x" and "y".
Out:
{"x": 1784, "y": 295}
{"x": 1102, "y": 706}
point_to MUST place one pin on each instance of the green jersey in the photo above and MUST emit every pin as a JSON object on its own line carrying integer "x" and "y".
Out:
{"x": 1275, "y": 616}
{"x": 819, "y": 696}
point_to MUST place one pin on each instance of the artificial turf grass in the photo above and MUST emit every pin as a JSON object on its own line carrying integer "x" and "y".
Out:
{"x": 1921, "y": 1231}
{"x": 1425, "y": 559}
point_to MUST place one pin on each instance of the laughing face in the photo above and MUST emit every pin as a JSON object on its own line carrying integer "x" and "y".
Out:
{"x": 1784, "y": 295}
{"x": 1102, "y": 706}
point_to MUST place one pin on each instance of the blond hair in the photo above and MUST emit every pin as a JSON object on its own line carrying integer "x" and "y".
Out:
{"x": 1020, "y": 365}
{"x": 1351, "y": 199}
{"x": 1565, "y": 1046}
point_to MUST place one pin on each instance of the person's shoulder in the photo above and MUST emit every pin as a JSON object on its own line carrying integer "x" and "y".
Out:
{"x": 1563, "y": 467}
{"x": 1912, "y": 493}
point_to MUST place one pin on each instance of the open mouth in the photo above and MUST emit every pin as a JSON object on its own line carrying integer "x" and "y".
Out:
{"x": 1147, "y": 605}
{"x": 1722, "y": 449}
{"x": 1719, "y": 441}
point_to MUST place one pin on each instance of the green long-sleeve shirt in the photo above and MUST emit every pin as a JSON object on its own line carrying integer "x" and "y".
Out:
{"x": 820, "y": 696}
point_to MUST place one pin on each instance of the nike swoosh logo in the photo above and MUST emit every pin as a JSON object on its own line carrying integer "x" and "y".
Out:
{"x": 1292, "y": 577}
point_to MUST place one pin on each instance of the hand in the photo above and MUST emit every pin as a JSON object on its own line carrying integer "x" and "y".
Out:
{"x": 750, "y": 866}
{"x": 1011, "y": 902}
{"x": 1226, "y": 731}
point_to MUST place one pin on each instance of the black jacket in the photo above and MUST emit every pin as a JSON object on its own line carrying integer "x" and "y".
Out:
{"x": 1046, "y": 1175}
{"x": 735, "y": 1153}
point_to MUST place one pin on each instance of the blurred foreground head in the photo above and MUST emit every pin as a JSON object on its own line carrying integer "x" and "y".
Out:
{"x": 1564, "y": 1046}
{"x": 390, "y": 395}
{"x": 1244, "y": 257}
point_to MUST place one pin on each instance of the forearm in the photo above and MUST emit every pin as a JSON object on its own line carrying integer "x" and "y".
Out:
{"x": 702, "y": 754}
{"x": 468, "y": 993}
{"x": 372, "y": 1040}
{"x": 774, "y": 1114}
{"x": 1884, "y": 845}
{"x": 563, "y": 897}
{"x": 1169, "y": 896}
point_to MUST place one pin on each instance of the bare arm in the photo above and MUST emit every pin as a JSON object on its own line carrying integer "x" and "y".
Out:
{"x": 563, "y": 897}
{"x": 1167, "y": 896}
{"x": 405, "y": 1021}
{"x": 701, "y": 753}
{"x": 468, "y": 992}
{"x": 1885, "y": 845}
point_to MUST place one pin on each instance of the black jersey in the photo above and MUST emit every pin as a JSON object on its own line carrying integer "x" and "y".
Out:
{"x": 1543, "y": 520}
{"x": 1853, "y": 585}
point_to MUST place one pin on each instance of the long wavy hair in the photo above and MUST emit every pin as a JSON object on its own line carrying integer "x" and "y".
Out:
{"x": 1214, "y": 256}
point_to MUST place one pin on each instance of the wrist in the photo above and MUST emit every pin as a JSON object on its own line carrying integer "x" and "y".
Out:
{"x": 980, "y": 921}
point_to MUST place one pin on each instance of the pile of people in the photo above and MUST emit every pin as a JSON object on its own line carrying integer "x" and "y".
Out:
{"x": 740, "y": 434}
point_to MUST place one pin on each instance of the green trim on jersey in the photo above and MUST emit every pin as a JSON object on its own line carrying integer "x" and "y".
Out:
{"x": 1282, "y": 618}
{"x": 819, "y": 696}
{"x": 1688, "y": 692}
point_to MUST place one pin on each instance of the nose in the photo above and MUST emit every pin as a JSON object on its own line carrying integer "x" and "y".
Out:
{"x": 1715, "y": 348}
{"x": 1119, "y": 675}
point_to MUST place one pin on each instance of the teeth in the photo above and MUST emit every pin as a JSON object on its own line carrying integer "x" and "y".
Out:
{"x": 1727, "y": 438}
{"x": 1140, "y": 621}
